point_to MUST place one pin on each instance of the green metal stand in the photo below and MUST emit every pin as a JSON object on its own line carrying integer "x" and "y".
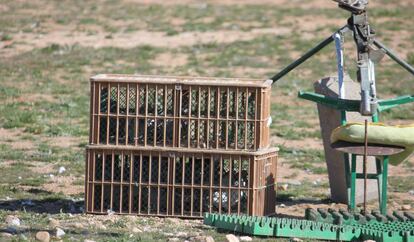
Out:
{"x": 344, "y": 106}
{"x": 353, "y": 105}
{"x": 381, "y": 177}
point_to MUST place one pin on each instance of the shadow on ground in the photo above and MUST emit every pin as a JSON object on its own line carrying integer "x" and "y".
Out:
{"x": 48, "y": 205}
{"x": 28, "y": 231}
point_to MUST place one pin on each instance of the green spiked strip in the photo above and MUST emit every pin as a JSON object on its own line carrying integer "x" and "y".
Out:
{"x": 343, "y": 217}
{"x": 398, "y": 226}
{"x": 281, "y": 227}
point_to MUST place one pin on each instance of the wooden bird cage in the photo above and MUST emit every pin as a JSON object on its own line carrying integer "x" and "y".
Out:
{"x": 206, "y": 113}
{"x": 179, "y": 146}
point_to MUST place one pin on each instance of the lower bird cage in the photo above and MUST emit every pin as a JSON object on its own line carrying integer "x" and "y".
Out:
{"x": 179, "y": 183}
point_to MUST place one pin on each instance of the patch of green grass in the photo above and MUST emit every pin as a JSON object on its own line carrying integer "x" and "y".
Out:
{"x": 14, "y": 173}
{"x": 6, "y": 37}
{"x": 68, "y": 115}
{"x": 15, "y": 115}
{"x": 410, "y": 58}
{"x": 8, "y": 92}
{"x": 306, "y": 190}
{"x": 304, "y": 159}
{"x": 8, "y": 153}
{"x": 401, "y": 183}
{"x": 34, "y": 181}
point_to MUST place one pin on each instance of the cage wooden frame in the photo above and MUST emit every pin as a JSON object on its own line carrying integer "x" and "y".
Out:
{"x": 257, "y": 197}
{"x": 184, "y": 112}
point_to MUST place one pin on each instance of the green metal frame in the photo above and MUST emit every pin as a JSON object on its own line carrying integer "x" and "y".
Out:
{"x": 346, "y": 105}
{"x": 381, "y": 177}
{"x": 353, "y": 105}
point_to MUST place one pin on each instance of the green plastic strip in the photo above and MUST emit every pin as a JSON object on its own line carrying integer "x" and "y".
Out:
{"x": 339, "y": 226}
{"x": 355, "y": 218}
{"x": 282, "y": 227}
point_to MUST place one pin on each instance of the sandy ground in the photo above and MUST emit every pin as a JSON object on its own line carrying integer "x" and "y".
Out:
{"x": 70, "y": 35}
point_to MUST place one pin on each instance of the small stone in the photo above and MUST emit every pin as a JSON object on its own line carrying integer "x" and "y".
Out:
{"x": 406, "y": 207}
{"x": 110, "y": 212}
{"x": 282, "y": 205}
{"x": 78, "y": 225}
{"x": 296, "y": 240}
{"x": 59, "y": 232}
{"x": 136, "y": 230}
{"x": 283, "y": 187}
{"x": 182, "y": 234}
{"x": 10, "y": 230}
{"x": 245, "y": 238}
{"x": 27, "y": 202}
{"x": 172, "y": 220}
{"x": 209, "y": 239}
{"x": 43, "y": 236}
{"x": 232, "y": 238}
{"x": 173, "y": 239}
{"x": 62, "y": 169}
{"x": 6, "y": 235}
{"x": 294, "y": 183}
{"x": 147, "y": 229}
{"x": 411, "y": 192}
{"x": 12, "y": 220}
{"x": 53, "y": 223}
{"x": 100, "y": 226}
{"x": 88, "y": 240}
{"x": 369, "y": 240}
{"x": 22, "y": 237}
{"x": 199, "y": 238}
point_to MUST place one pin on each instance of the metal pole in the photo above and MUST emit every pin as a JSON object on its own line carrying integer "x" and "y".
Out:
{"x": 394, "y": 56}
{"x": 365, "y": 166}
{"x": 302, "y": 59}
{"x": 340, "y": 64}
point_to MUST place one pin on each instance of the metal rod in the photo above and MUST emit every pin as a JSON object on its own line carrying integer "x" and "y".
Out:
{"x": 394, "y": 56}
{"x": 302, "y": 59}
{"x": 365, "y": 165}
{"x": 340, "y": 63}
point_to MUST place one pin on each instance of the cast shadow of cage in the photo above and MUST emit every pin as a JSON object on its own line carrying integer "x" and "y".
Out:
{"x": 69, "y": 232}
{"x": 51, "y": 205}
{"x": 265, "y": 205}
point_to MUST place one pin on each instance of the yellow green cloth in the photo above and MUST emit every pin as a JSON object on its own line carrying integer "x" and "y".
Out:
{"x": 378, "y": 133}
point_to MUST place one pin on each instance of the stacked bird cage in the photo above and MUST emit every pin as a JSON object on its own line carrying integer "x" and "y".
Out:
{"x": 180, "y": 146}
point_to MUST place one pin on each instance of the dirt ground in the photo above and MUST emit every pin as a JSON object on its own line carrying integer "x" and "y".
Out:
{"x": 50, "y": 49}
